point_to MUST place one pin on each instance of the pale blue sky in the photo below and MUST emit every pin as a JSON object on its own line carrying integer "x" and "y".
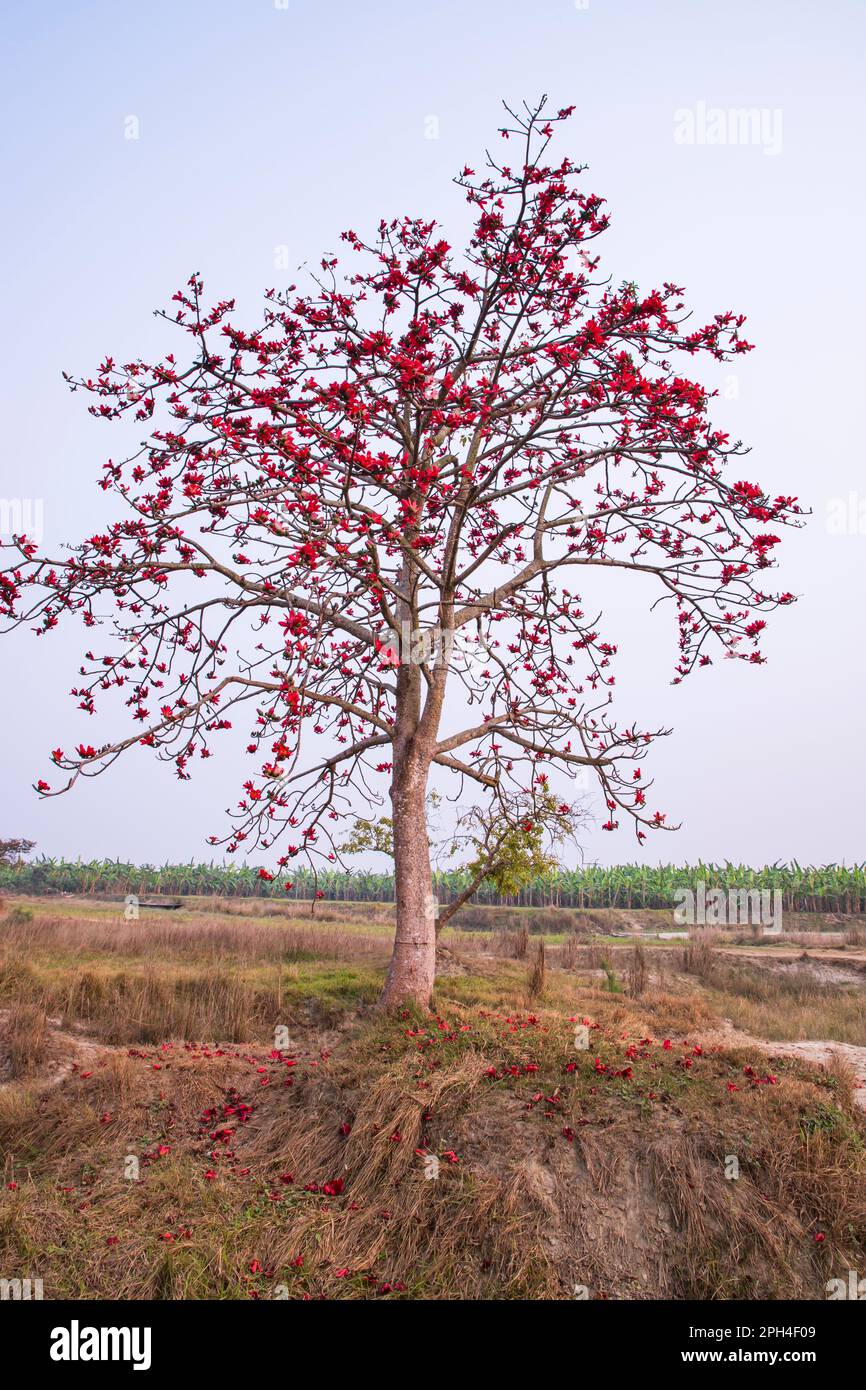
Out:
{"x": 262, "y": 127}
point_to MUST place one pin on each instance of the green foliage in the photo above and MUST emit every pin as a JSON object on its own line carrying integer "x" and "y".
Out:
{"x": 367, "y": 836}
{"x": 516, "y": 844}
{"x": 829, "y": 1120}
{"x": 377, "y": 836}
{"x": 20, "y": 916}
{"x": 611, "y": 983}
{"x": 520, "y": 859}
{"x": 827, "y": 888}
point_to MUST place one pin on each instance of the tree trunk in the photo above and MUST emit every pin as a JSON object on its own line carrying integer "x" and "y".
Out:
{"x": 413, "y": 964}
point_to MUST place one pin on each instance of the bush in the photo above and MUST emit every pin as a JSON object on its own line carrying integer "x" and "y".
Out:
{"x": 26, "y": 1038}
{"x": 20, "y": 916}
{"x": 637, "y": 972}
{"x": 611, "y": 983}
{"x": 538, "y": 975}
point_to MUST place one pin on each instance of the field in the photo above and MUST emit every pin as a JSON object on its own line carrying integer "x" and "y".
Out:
{"x": 205, "y": 1104}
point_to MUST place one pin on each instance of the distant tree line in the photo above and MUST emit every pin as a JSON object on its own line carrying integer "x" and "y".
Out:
{"x": 809, "y": 888}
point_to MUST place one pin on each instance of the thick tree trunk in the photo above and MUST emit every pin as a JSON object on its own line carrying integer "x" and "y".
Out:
{"x": 413, "y": 964}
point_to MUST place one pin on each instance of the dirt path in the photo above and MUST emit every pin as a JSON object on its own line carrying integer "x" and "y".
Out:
{"x": 854, "y": 959}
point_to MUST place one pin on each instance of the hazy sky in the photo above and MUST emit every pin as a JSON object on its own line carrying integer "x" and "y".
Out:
{"x": 262, "y": 127}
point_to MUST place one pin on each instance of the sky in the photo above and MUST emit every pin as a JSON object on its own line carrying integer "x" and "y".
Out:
{"x": 145, "y": 142}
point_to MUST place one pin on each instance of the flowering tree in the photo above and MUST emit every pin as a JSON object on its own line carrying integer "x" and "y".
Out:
{"x": 363, "y": 524}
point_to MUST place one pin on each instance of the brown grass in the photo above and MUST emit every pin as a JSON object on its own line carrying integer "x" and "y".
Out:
{"x": 24, "y": 1036}
{"x": 146, "y": 981}
{"x": 549, "y": 1173}
{"x": 537, "y": 975}
{"x": 637, "y": 971}
{"x": 634, "y": 1204}
{"x": 180, "y": 940}
{"x": 568, "y": 955}
{"x": 763, "y": 999}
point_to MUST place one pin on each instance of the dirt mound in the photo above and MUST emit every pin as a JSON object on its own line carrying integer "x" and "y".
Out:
{"x": 478, "y": 1155}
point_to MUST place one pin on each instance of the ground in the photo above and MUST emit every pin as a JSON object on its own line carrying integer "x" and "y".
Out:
{"x": 205, "y": 1103}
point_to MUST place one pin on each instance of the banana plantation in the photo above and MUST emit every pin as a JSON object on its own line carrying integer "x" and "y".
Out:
{"x": 828, "y": 888}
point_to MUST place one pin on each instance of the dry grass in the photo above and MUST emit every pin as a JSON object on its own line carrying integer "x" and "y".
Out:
{"x": 208, "y": 941}
{"x": 525, "y": 1198}
{"x": 472, "y": 1154}
{"x": 537, "y": 975}
{"x": 24, "y": 1037}
{"x": 569, "y": 953}
{"x": 146, "y": 981}
{"x": 637, "y": 971}
{"x": 572, "y": 955}
{"x": 779, "y": 1003}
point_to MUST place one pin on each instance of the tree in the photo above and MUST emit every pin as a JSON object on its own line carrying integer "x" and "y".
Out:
{"x": 364, "y": 520}
{"x": 12, "y": 850}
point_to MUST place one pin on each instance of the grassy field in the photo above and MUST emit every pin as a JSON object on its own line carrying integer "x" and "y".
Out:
{"x": 206, "y": 1104}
